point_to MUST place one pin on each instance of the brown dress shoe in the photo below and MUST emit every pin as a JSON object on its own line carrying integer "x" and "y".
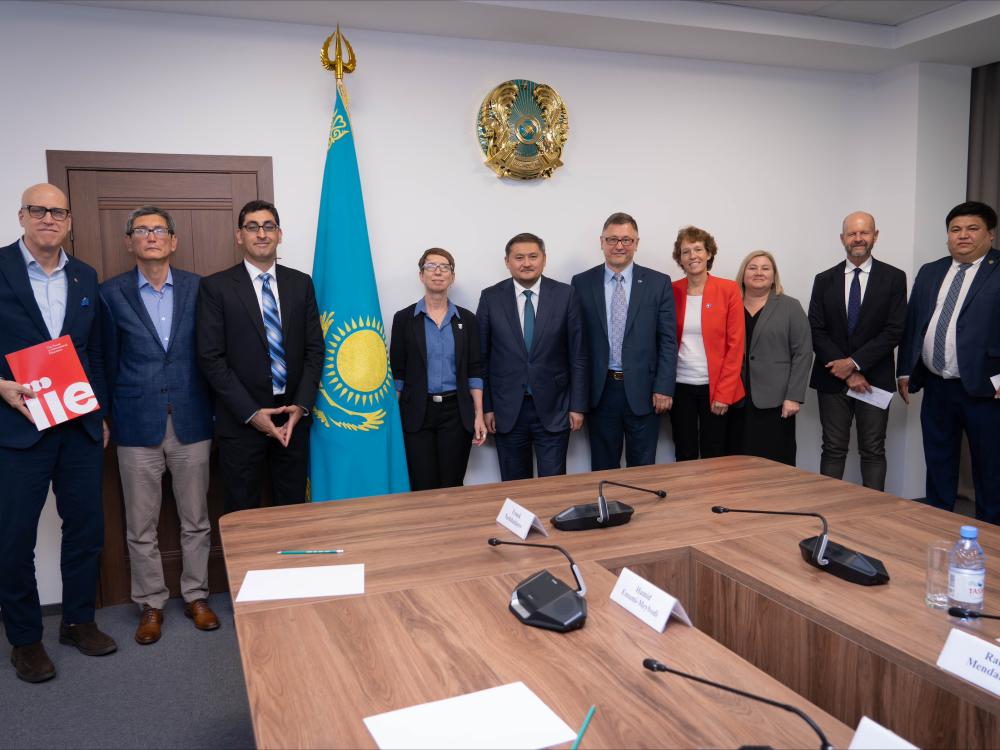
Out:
{"x": 203, "y": 616}
{"x": 149, "y": 625}
{"x": 32, "y": 663}
{"x": 87, "y": 638}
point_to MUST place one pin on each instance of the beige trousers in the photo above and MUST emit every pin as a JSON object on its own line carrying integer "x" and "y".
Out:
{"x": 142, "y": 474}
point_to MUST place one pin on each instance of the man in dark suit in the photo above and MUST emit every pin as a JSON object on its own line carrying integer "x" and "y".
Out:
{"x": 45, "y": 294}
{"x": 630, "y": 326}
{"x": 161, "y": 416}
{"x": 260, "y": 347}
{"x": 951, "y": 348}
{"x": 534, "y": 363}
{"x": 856, "y": 313}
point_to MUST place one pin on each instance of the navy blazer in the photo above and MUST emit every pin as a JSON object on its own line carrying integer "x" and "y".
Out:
{"x": 232, "y": 344}
{"x": 556, "y": 370}
{"x": 978, "y": 326}
{"x": 649, "y": 349}
{"x": 143, "y": 377}
{"x": 23, "y": 326}
{"x": 408, "y": 356}
{"x": 879, "y": 328}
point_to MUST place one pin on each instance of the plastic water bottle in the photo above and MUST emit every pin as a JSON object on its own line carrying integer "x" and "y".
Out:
{"x": 967, "y": 571}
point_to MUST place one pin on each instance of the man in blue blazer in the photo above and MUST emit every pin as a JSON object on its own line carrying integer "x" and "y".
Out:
{"x": 45, "y": 294}
{"x": 161, "y": 416}
{"x": 534, "y": 363}
{"x": 631, "y": 332}
{"x": 951, "y": 348}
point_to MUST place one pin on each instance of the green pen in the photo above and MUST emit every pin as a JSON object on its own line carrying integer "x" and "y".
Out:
{"x": 310, "y": 552}
{"x": 586, "y": 723}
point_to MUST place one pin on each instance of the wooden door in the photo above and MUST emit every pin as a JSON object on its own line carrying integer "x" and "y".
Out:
{"x": 204, "y": 194}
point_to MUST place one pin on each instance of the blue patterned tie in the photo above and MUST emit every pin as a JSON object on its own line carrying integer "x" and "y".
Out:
{"x": 618, "y": 313}
{"x": 947, "y": 310}
{"x": 854, "y": 302}
{"x": 275, "y": 342}
{"x": 529, "y": 320}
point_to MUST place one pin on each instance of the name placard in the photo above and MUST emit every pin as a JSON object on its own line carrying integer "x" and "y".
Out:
{"x": 519, "y": 520}
{"x": 972, "y": 659}
{"x": 649, "y": 603}
{"x": 870, "y": 735}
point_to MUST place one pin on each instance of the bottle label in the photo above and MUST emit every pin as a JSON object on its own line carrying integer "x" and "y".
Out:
{"x": 966, "y": 586}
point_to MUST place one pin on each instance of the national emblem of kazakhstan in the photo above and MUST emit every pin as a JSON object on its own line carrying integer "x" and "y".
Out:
{"x": 522, "y": 128}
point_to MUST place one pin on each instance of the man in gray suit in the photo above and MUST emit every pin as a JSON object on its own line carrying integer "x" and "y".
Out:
{"x": 631, "y": 336}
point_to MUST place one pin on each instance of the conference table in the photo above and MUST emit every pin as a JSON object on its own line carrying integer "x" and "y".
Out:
{"x": 433, "y": 622}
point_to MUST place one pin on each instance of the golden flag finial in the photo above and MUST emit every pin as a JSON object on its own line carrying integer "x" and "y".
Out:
{"x": 338, "y": 65}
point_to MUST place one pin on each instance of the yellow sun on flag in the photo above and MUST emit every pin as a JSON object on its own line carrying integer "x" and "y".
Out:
{"x": 358, "y": 362}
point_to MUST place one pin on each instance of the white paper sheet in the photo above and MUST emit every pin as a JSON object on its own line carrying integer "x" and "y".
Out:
{"x": 996, "y": 382}
{"x": 877, "y": 397}
{"x": 509, "y": 716}
{"x": 302, "y": 583}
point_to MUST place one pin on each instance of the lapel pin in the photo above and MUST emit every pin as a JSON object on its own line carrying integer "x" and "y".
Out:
{"x": 708, "y": 305}
{"x": 460, "y": 326}
{"x": 85, "y": 302}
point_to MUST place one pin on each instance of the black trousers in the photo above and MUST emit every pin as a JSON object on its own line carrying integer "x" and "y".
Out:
{"x": 836, "y": 412}
{"x": 697, "y": 432}
{"x": 242, "y": 459}
{"x": 761, "y": 432}
{"x": 437, "y": 454}
{"x": 68, "y": 457}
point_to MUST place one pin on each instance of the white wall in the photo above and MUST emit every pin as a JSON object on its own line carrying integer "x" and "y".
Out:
{"x": 763, "y": 157}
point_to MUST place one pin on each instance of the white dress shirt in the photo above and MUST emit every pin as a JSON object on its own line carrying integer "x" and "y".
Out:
{"x": 520, "y": 298}
{"x": 866, "y": 270}
{"x": 950, "y": 343}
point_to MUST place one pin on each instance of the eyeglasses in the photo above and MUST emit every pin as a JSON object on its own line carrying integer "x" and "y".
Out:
{"x": 38, "y": 212}
{"x": 160, "y": 232}
{"x": 626, "y": 242}
{"x": 432, "y": 267}
{"x": 253, "y": 227}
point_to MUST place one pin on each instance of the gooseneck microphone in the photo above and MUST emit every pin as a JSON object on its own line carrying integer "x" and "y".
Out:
{"x": 969, "y": 614}
{"x": 601, "y": 514}
{"x": 835, "y": 559}
{"x": 654, "y": 666}
{"x": 544, "y": 601}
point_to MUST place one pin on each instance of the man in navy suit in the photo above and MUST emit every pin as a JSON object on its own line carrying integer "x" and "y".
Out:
{"x": 951, "y": 348}
{"x": 534, "y": 363}
{"x": 631, "y": 331}
{"x": 161, "y": 416}
{"x": 45, "y": 294}
{"x": 856, "y": 313}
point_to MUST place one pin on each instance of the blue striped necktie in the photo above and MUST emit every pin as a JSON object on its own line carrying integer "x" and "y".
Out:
{"x": 275, "y": 341}
{"x": 947, "y": 310}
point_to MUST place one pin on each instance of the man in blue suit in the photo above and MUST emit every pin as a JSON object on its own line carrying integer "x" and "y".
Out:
{"x": 534, "y": 363}
{"x": 631, "y": 332}
{"x": 161, "y": 416}
{"x": 45, "y": 294}
{"x": 951, "y": 348}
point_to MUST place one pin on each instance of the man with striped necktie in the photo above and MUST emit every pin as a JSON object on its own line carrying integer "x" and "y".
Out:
{"x": 951, "y": 349}
{"x": 260, "y": 347}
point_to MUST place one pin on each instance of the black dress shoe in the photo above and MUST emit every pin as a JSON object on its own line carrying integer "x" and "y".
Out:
{"x": 87, "y": 638}
{"x": 32, "y": 663}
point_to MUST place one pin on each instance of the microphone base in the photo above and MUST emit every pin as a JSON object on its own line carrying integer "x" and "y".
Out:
{"x": 584, "y": 517}
{"x": 543, "y": 601}
{"x": 846, "y": 564}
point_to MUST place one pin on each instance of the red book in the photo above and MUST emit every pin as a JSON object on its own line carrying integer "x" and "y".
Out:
{"x": 53, "y": 371}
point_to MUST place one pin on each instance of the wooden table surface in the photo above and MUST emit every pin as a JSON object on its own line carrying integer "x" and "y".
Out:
{"x": 428, "y": 567}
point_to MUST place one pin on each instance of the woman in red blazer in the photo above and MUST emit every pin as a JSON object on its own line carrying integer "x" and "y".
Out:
{"x": 711, "y": 335}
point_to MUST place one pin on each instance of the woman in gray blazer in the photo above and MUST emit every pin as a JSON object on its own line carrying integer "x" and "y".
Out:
{"x": 776, "y": 363}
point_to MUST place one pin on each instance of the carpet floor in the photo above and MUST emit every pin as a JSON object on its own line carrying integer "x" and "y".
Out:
{"x": 185, "y": 691}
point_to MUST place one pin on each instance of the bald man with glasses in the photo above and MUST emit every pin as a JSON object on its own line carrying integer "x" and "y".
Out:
{"x": 44, "y": 294}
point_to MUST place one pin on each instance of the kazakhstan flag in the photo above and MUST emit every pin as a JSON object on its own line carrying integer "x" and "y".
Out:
{"x": 356, "y": 444}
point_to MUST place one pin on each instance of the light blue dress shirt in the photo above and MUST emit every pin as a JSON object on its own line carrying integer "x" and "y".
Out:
{"x": 49, "y": 290}
{"x": 159, "y": 304}
{"x": 609, "y": 290}
{"x": 440, "y": 341}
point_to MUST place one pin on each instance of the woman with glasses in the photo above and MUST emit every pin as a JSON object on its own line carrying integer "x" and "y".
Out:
{"x": 434, "y": 354}
{"x": 710, "y": 340}
{"x": 776, "y": 366}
